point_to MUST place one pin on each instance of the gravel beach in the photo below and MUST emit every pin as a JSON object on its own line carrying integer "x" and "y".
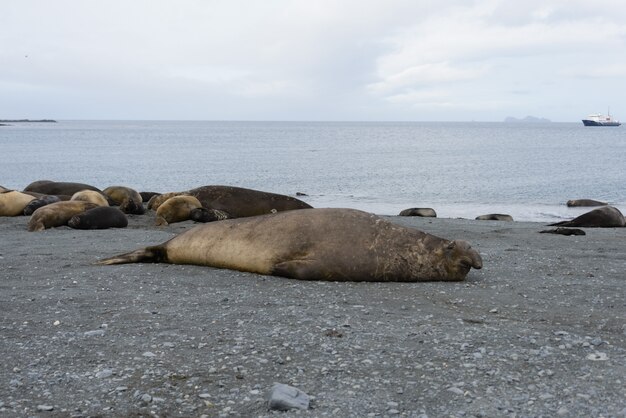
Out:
{"x": 539, "y": 331}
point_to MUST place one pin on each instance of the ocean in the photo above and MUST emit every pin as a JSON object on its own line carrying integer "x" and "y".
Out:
{"x": 462, "y": 169}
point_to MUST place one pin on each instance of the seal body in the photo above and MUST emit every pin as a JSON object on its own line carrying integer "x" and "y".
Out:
{"x": 205, "y": 215}
{"x": 91, "y": 196}
{"x": 604, "y": 217}
{"x": 176, "y": 209}
{"x": 129, "y": 200}
{"x": 57, "y": 214}
{"x": 316, "y": 244}
{"x": 240, "y": 202}
{"x": 158, "y": 199}
{"x": 12, "y": 202}
{"x": 33, "y": 205}
{"x": 495, "y": 217}
{"x": 101, "y": 217}
{"x": 585, "y": 202}
{"x": 146, "y": 196}
{"x": 425, "y": 212}
{"x": 58, "y": 187}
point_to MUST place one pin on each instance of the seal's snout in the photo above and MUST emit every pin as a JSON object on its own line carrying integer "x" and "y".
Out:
{"x": 477, "y": 261}
{"x": 466, "y": 254}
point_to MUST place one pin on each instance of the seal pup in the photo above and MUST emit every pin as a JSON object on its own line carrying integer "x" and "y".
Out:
{"x": 57, "y": 214}
{"x": 564, "y": 231}
{"x": 585, "y": 202}
{"x": 129, "y": 200}
{"x": 12, "y": 202}
{"x": 240, "y": 202}
{"x": 176, "y": 209}
{"x": 40, "y": 202}
{"x": 91, "y": 196}
{"x": 495, "y": 217}
{"x": 101, "y": 217}
{"x": 58, "y": 187}
{"x": 424, "y": 212}
{"x": 604, "y": 217}
{"x": 316, "y": 244}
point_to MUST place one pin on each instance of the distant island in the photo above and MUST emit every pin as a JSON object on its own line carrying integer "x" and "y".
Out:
{"x": 527, "y": 119}
{"x": 26, "y": 120}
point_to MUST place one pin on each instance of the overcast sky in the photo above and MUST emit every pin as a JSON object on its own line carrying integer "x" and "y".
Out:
{"x": 363, "y": 60}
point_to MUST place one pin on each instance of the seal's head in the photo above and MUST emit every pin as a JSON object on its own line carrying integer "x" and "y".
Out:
{"x": 460, "y": 257}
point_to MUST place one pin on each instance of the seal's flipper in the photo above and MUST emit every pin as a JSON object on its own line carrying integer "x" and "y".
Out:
{"x": 143, "y": 255}
{"x": 297, "y": 269}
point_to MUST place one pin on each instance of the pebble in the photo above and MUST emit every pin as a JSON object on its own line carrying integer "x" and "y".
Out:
{"x": 284, "y": 397}
{"x": 94, "y": 333}
{"x": 455, "y": 390}
{"x": 597, "y": 356}
{"x": 45, "y": 407}
{"x": 104, "y": 373}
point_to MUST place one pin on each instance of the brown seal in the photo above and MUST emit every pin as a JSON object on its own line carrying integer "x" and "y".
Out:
{"x": 316, "y": 244}
{"x": 157, "y": 200}
{"x": 585, "y": 202}
{"x": 495, "y": 217}
{"x": 604, "y": 217}
{"x": 58, "y": 187}
{"x": 240, "y": 202}
{"x": 91, "y": 196}
{"x": 57, "y": 214}
{"x": 12, "y": 202}
{"x": 129, "y": 200}
{"x": 176, "y": 209}
{"x": 101, "y": 217}
{"x": 44, "y": 200}
{"x": 424, "y": 212}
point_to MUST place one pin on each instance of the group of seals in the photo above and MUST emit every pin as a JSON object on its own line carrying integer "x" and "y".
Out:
{"x": 316, "y": 244}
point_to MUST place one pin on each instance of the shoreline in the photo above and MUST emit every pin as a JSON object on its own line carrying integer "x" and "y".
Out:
{"x": 540, "y": 330}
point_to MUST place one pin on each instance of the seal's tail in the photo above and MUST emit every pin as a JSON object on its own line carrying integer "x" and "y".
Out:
{"x": 143, "y": 255}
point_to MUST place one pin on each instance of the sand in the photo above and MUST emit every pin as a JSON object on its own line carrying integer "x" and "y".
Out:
{"x": 539, "y": 331}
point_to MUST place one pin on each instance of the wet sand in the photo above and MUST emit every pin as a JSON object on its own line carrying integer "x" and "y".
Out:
{"x": 540, "y": 330}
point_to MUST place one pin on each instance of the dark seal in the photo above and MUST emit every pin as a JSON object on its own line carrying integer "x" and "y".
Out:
{"x": 101, "y": 217}
{"x": 239, "y": 202}
{"x": 58, "y": 187}
{"x": 495, "y": 217}
{"x": 585, "y": 202}
{"x": 424, "y": 212}
{"x": 604, "y": 217}
{"x": 40, "y": 202}
{"x": 316, "y": 244}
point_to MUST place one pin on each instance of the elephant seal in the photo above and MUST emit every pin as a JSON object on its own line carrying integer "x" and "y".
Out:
{"x": 564, "y": 231}
{"x": 205, "y": 215}
{"x": 176, "y": 209}
{"x": 584, "y": 202}
{"x": 146, "y": 196}
{"x": 157, "y": 200}
{"x": 12, "y": 202}
{"x": 424, "y": 212}
{"x": 316, "y": 244}
{"x": 127, "y": 199}
{"x": 58, "y": 187}
{"x": 101, "y": 217}
{"x": 240, "y": 202}
{"x": 57, "y": 214}
{"x": 42, "y": 201}
{"x": 495, "y": 217}
{"x": 604, "y": 217}
{"x": 91, "y": 196}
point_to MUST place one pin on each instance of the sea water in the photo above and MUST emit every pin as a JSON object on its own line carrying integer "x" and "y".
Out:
{"x": 459, "y": 169}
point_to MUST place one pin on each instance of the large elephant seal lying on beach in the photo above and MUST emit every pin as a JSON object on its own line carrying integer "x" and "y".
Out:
{"x": 101, "y": 217}
{"x": 604, "y": 217}
{"x": 316, "y": 244}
